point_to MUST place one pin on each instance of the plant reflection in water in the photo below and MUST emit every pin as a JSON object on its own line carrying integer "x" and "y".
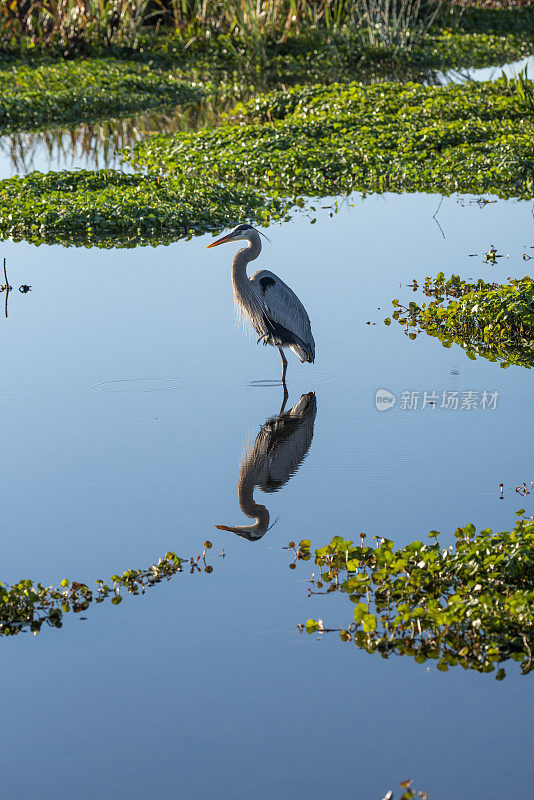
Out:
{"x": 23, "y": 289}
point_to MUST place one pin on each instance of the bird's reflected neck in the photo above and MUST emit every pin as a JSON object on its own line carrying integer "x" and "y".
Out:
{"x": 249, "y": 507}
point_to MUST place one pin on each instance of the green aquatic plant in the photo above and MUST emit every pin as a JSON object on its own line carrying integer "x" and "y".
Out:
{"x": 50, "y": 92}
{"x": 183, "y": 68}
{"x": 109, "y": 208}
{"x": 471, "y": 604}
{"x": 310, "y": 141}
{"x": 319, "y": 141}
{"x": 408, "y": 792}
{"x": 413, "y": 103}
{"x": 522, "y": 88}
{"x": 28, "y": 605}
{"x": 486, "y": 319}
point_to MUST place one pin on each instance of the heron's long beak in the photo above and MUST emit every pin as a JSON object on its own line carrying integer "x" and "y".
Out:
{"x": 223, "y": 240}
{"x": 225, "y": 527}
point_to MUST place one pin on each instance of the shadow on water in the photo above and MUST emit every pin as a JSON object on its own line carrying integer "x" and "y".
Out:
{"x": 278, "y": 451}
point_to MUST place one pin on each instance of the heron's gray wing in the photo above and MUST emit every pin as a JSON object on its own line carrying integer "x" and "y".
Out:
{"x": 283, "y": 308}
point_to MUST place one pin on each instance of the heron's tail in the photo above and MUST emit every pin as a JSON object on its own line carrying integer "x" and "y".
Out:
{"x": 303, "y": 354}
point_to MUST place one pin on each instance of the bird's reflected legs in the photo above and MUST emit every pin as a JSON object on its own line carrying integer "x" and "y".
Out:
{"x": 284, "y": 369}
{"x": 284, "y": 362}
{"x": 284, "y": 400}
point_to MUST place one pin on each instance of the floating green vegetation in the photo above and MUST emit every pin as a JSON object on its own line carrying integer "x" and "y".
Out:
{"x": 319, "y": 141}
{"x": 108, "y": 208}
{"x": 184, "y": 67}
{"x": 471, "y": 604}
{"x": 314, "y": 55}
{"x": 50, "y": 92}
{"x": 311, "y": 141}
{"x": 28, "y": 605}
{"x": 486, "y": 319}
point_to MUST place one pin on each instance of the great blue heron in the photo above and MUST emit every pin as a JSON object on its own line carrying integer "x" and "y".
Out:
{"x": 279, "y": 450}
{"x": 278, "y": 316}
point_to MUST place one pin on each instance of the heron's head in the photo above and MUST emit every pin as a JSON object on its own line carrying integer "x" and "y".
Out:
{"x": 243, "y": 231}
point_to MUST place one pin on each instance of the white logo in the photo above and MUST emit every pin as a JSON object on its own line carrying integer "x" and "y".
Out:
{"x": 384, "y": 400}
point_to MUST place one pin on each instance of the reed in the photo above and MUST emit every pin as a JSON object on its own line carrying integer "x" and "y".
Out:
{"x": 71, "y": 26}
{"x": 395, "y": 24}
{"x": 74, "y": 26}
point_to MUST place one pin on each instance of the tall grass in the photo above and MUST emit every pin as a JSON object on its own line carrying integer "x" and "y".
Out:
{"x": 395, "y": 24}
{"x": 75, "y": 25}
{"x": 390, "y": 22}
{"x": 70, "y": 25}
{"x": 522, "y": 88}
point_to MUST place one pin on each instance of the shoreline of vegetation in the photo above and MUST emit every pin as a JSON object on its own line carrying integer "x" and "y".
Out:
{"x": 108, "y": 208}
{"x": 312, "y": 141}
{"x": 71, "y": 28}
{"x": 327, "y": 140}
{"x": 39, "y": 86}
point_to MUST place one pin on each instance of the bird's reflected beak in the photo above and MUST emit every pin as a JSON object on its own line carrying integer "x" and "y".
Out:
{"x": 223, "y": 240}
{"x": 225, "y": 527}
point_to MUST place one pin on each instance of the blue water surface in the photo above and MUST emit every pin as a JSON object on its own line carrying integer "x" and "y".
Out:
{"x": 126, "y": 407}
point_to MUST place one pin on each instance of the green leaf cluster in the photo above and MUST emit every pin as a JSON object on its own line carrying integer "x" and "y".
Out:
{"x": 29, "y": 605}
{"x": 471, "y": 604}
{"x": 107, "y": 208}
{"x": 329, "y": 140}
{"x": 486, "y": 319}
{"x": 50, "y": 92}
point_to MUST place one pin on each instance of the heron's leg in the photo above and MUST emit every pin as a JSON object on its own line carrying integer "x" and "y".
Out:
{"x": 284, "y": 362}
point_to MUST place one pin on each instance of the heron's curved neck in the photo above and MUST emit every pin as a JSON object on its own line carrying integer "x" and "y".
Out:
{"x": 245, "y": 495}
{"x": 241, "y": 259}
{"x": 258, "y": 529}
{"x": 250, "y": 508}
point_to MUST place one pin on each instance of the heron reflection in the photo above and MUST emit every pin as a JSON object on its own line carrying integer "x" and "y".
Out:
{"x": 280, "y": 448}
